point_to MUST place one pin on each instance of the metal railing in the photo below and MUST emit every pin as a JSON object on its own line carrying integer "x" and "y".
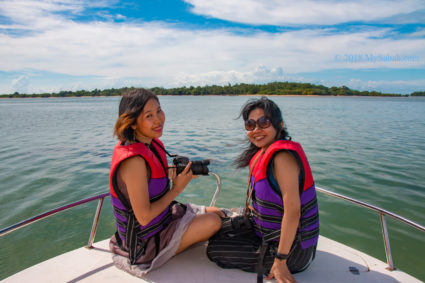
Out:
{"x": 382, "y": 214}
{"x": 101, "y": 197}
{"x": 49, "y": 213}
{"x": 217, "y": 190}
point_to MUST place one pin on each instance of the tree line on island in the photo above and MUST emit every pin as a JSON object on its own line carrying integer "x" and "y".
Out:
{"x": 274, "y": 88}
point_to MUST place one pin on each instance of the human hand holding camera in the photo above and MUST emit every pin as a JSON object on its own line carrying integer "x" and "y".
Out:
{"x": 184, "y": 170}
{"x": 198, "y": 167}
{"x": 181, "y": 180}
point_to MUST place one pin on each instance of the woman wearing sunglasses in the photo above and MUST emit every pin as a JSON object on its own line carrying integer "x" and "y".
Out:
{"x": 281, "y": 199}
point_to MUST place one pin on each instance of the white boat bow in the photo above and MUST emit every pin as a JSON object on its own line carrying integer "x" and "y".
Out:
{"x": 334, "y": 263}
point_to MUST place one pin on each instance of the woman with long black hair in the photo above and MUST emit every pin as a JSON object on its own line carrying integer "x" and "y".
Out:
{"x": 281, "y": 201}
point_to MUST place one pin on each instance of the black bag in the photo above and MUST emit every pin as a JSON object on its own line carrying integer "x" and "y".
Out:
{"x": 237, "y": 246}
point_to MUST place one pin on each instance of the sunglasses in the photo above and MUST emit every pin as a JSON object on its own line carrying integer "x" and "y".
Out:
{"x": 262, "y": 122}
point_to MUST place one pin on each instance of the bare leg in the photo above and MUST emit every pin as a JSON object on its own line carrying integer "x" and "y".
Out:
{"x": 216, "y": 210}
{"x": 200, "y": 229}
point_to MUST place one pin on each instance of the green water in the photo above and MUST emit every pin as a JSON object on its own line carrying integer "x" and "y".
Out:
{"x": 56, "y": 151}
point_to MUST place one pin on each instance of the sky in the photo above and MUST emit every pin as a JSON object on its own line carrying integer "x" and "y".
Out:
{"x": 55, "y": 45}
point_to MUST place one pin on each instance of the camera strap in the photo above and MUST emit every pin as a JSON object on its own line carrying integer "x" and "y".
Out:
{"x": 161, "y": 147}
{"x": 155, "y": 152}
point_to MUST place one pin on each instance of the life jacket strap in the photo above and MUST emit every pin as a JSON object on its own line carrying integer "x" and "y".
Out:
{"x": 305, "y": 222}
{"x": 260, "y": 264}
{"x": 309, "y": 205}
{"x": 269, "y": 218}
{"x": 307, "y": 235}
{"x": 163, "y": 222}
{"x": 164, "y": 192}
{"x": 250, "y": 188}
{"x": 268, "y": 204}
{"x": 135, "y": 250}
{"x": 271, "y": 236}
{"x": 157, "y": 243}
{"x": 119, "y": 241}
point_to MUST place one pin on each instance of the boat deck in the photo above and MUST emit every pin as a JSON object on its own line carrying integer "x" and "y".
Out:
{"x": 332, "y": 264}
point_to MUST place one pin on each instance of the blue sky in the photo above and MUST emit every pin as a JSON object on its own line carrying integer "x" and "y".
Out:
{"x": 49, "y": 46}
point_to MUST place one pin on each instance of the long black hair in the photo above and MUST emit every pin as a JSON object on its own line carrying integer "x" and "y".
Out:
{"x": 272, "y": 111}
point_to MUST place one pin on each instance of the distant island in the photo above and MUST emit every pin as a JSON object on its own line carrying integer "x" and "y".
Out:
{"x": 274, "y": 88}
{"x": 418, "y": 93}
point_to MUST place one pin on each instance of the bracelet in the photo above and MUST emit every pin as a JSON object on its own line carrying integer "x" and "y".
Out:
{"x": 281, "y": 256}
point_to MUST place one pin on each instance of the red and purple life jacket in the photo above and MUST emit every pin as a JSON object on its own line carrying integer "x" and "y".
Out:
{"x": 268, "y": 203}
{"x": 129, "y": 230}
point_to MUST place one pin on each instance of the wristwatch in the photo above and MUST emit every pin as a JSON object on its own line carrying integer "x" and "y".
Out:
{"x": 281, "y": 256}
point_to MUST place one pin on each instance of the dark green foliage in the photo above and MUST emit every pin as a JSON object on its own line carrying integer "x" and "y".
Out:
{"x": 418, "y": 93}
{"x": 273, "y": 88}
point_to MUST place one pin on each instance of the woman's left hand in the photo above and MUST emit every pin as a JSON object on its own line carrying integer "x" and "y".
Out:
{"x": 181, "y": 180}
{"x": 281, "y": 272}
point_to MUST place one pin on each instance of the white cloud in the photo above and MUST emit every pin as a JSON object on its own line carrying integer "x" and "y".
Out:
{"x": 393, "y": 86}
{"x": 37, "y": 15}
{"x": 152, "y": 50}
{"x": 158, "y": 54}
{"x": 120, "y": 17}
{"x": 21, "y": 84}
{"x": 304, "y": 12}
{"x": 261, "y": 74}
{"x": 420, "y": 32}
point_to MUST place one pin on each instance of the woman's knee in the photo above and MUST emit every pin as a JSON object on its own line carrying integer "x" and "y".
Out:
{"x": 213, "y": 221}
{"x": 204, "y": 226}
{"x": 216, "y": 210}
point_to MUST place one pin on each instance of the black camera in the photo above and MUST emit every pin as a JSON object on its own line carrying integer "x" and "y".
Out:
{"x": 197, "y": 167}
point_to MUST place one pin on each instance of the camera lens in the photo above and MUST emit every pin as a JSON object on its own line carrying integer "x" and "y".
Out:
{"x": 200, "y": 167}
{"x": 197, "y": 167}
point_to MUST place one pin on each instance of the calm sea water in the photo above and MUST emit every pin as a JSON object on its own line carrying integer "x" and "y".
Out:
{"x": 55, "y": 151}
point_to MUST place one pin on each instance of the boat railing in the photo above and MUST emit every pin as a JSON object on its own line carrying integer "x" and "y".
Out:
{"x": 52, "y": 212}
{"x": 100, "y": 199}
{"x": 382, "y": 214}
